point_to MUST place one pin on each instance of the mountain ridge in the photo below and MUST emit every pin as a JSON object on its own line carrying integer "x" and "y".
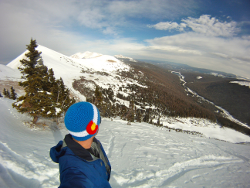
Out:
{"x": 135, "y": 91}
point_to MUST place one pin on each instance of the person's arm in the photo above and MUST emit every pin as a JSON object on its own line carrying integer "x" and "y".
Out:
{"x": 74, "y": 178}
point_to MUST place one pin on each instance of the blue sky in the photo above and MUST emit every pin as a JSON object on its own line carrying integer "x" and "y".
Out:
{"x": 212, "y": 34}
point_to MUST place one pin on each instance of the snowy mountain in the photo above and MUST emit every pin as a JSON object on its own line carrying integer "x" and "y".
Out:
{"x": 71, "y": 69}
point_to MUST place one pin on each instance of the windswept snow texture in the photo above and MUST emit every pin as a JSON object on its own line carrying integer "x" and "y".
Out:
{"x": 86, "y": 55}
{"x": 7, "y": 73}
{"x": 141, "y": 155}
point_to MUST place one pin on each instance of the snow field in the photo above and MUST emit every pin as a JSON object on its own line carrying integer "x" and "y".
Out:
{"x": 24, "y": 155}
{"x": 141, "y": 155}
{"x": 146, "y": 156}
{"x": 206, "y": 128}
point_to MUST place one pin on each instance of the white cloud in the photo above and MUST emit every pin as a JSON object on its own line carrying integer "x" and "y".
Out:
{"x": 205, "y": 25}
{"x": 211, "y": 26}
{"x": 221, "y": 54}
{"x": 211, "y": 52}
{"x": 62, "y": 25}
{"x": 92, "y": 18}
{"x": 168, "y": 26}
{"x": 174, "y": 49}
{"x": 111, "y": 15}
{"x": 58, "y": 22}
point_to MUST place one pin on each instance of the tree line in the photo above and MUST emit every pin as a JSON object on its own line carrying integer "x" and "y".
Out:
{"x": 9, "y": 94}
{"x": 147, "y": 104}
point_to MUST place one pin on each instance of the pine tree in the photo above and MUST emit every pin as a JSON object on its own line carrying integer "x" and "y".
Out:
{"x": 63, "y": 96}
{"x": 131, "y": 112}
{"x": 44, "y": 95}
{"x": 146, "y": 117}
{"x": 158, "y": 121}
{"x": 8, "y": 94}
{"x": 98, "y": 96}
{"x": 123, "y": 112}
{"x": 13, "y": 94}
{"x": 52, "y": 85}
{"x": 37, "y": 99}
{"x": 138, "y": 116}
{"x": 4, "y": 92}
{"x": 98, "y": 100}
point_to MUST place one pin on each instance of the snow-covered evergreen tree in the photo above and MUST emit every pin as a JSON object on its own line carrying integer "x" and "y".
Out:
{"x": 7, "y": 93}
{"x": 4, "y": 92}
{"x": 138, "y": 116}
{"x": 131, "y": 112}
{"x": 98, "y": 96}
{"x": 63, "y": 96}
{"x": 44, "y": 95}
{"x": 13, "y": 94}
{"x": 34, "y": 73}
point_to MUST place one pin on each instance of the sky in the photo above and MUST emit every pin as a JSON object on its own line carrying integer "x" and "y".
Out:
{"x": 208, "y": 34}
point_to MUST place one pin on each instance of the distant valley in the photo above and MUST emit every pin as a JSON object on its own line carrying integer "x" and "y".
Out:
{"x": 216, "y": 87}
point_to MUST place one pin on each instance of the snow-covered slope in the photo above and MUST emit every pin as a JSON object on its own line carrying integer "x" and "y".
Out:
{"x": 242, "y": 83}
{"x": 141, "y": 155}
{"x": 86, "y": 55}
{"x": 7, "y": 73}
{"x": 63, "y": 65}
{"x": 71, "y": 69}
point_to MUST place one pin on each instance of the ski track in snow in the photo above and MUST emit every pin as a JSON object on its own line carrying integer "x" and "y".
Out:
{"x": 148, "y": 160}
{"x": 26, "y": 168}
{"x": 110, "y": 145}
{"x": 141, "y": 155}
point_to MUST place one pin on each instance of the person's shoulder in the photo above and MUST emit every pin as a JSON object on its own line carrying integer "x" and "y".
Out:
{"x": 97, "y": 141}
{"x": 69, "y": 159}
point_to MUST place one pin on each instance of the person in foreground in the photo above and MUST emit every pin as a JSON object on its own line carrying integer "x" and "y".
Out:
{"x": 81, "y": 157}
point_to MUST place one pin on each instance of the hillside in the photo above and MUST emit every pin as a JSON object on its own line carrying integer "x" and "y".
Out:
{"x": 232, "y": 97}
{"x": 152, "y": 91}
{"x": 188, "y": 104}
{"x": 132, "y": 90}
